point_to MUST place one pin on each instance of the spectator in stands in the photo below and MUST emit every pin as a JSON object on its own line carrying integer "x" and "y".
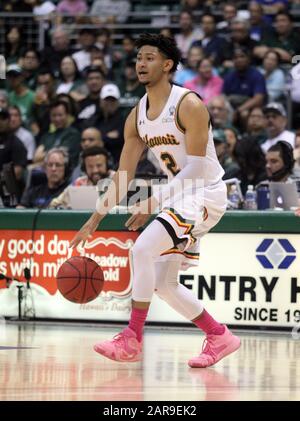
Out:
{"x": 274, "y": 76}
{"x": 221, "y": 112}
{"x": 60, "y": 47}
{"x": 214, "y": 45}
{"x": 110, "y": 11}
{"x": 89, "y": 106}
{"x": 205, "y": 83}
{"x": 188, "y": 34}
{"x": 3, "y": 99}
{"x": 251, "y": 159}
{"x": 272, "y": 7}
{"x": 256, "y": 126}
{"x": 229, "y": 13}
{"x": 279, "y": 162}
{"x": 19, "y": 95}
{"x": 14, "y": 44}
{"x": 90, "y": 137}
{"x": 26, "y": 137}
{"x": 296, "y": 170}
{"x": 120, "y": 58}
{"x": 61, "y": 135}
{"x": 111, "y": 125}
{"x": 245, "y": 86}
{"x": 45, "y": 93}
{"x": 258, "y": 24}
{"x": 232, "y": 139}
{"x": 190, "y": 70}
{"x": 131, "y": 90}
{"x": 57, "y": 173}
{"x": 276, "y": 126}
{"x": 286, "y": 41}
{"x": 229, "y": 165}
{"x": 105, "y": 41}
{"x": 72, "y": 108}
{"x": 30, "y": 63}
{"x": 11, "y": 148}
{"x": 98, "y": 59}
{"x": 295, "y": 94}
{"x": 95, "y": 166}
{"x": 240, "y": 38}
{"x": 86, "y": 38}
{"x": 69, "y": 78}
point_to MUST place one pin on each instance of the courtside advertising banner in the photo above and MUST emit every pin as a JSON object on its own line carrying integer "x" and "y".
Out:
{"x": 243, "y": 279}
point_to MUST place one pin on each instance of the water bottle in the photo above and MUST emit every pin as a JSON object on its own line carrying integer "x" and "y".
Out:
{"x": 263, "y": 197}
{"x": 233, "y": 198}
{"x": 250, "y": 199}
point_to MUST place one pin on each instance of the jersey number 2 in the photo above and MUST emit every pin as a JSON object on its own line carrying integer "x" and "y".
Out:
{"x": 170, "y": 163}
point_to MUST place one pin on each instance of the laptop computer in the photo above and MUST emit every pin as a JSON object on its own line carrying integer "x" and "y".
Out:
{"x": 83, "y": 197}
{"x": 283, "y": 195}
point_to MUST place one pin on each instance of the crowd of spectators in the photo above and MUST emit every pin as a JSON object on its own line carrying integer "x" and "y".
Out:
{"x": 63, "y": 107}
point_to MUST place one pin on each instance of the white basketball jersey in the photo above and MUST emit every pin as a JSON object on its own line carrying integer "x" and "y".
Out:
{"x": 167, "y": 139}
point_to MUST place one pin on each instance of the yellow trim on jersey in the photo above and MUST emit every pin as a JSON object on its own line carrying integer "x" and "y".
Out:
{"x": 188, "y": 226}
{"x": 193, "y": 256}
{"x": 177, "y": 121}
{"x": 181, "y": 223}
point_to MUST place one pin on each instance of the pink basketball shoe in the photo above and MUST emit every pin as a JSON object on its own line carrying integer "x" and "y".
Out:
{"x": 123, "y": 347}
{"x": 215, "y": 347}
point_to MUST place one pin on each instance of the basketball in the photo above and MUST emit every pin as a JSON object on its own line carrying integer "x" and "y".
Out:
{"x": 80, "y": 279}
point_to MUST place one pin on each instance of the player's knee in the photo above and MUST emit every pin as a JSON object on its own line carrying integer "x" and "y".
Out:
{"x": 161, "y": 291}
{"x": 141, "y": 250}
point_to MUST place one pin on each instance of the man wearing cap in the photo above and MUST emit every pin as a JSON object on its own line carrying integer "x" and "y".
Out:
{"x": 111, "y": 122}
{"x": 276, "y": 126}
{"x": 231, "y": 168}
{"x": 20, "y": 95}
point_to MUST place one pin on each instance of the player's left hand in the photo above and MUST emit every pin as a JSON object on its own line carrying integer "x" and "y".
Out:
{"x": 137, "y": 221}
{"x": 141, "y": 212}
{"x": 297, "y": 212}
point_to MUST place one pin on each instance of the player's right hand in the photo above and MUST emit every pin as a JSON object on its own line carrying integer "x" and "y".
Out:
{"x": 86, "y": 230}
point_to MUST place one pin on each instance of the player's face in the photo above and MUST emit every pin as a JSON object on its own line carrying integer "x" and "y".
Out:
{"x": 151, "y": 65}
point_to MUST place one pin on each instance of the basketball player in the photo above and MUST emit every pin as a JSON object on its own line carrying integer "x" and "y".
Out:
{"x": 175, "y": 124}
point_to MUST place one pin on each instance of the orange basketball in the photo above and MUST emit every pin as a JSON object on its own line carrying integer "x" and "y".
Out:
{"x": 80, "y": 279}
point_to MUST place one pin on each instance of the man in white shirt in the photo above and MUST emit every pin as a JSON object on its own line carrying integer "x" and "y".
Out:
{"x": 86, "y": 39}
{"x": 276, "y": 126}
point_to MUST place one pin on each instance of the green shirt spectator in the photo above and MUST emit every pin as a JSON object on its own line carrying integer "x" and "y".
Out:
{"x": 19, "y": 95}
{"x": 60, "y": 134}
{"x": 285, "y": 41}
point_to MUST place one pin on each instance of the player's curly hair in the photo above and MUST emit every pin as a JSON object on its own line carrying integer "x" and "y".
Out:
{"x": 167, "y": 46}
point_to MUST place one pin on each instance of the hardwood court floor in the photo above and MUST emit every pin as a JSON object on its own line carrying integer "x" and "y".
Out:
{"x": 57, "y": 362}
